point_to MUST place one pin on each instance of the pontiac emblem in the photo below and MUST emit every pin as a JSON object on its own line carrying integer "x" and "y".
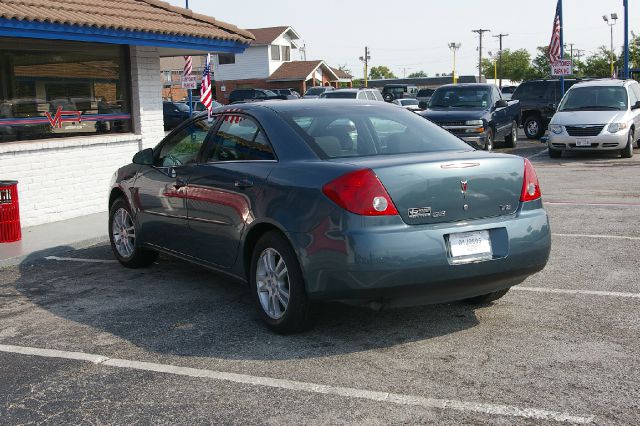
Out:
{"x": 463, "y": 186}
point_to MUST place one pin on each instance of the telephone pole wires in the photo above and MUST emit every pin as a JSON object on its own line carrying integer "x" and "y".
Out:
{"x": 480, "y": 33}
{"x": 500, "y": 36}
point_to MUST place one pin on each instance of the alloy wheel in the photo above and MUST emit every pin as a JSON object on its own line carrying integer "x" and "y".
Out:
{"x": 124, "y": 233}
{"x": 514, "y": 132}
{"x": 532, "y": 127}
{"x": 272, "y": 283}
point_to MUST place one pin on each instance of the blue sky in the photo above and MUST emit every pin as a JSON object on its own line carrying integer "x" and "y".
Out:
{"x": 412, "y": 35}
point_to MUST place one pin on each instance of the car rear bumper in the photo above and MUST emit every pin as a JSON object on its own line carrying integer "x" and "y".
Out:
{"x": 411, "y": 263}
{"x": 605, "y": 141}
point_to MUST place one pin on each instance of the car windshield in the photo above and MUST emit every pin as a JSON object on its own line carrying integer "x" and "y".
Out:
{"x": 461, "y": 97}
{"x": 270, "y": 93}
{"x": 405, "y": 102}
{"x": 359, "y": 131}
{"x": 315, "y": 91}
{"x": 595, "y": 98}
{"x": 339, "y": 95}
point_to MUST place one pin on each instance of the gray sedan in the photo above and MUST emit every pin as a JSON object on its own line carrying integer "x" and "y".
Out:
{"x": 332, "y": 200}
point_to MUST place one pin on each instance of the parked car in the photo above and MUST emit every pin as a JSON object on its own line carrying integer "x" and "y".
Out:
{"x": 277, "y": 194}
{"x": 507, "y": 92}
{"x": 249, "y": 95}
{"x": 391, "y": 92}
{"x": 315, "y": 92}
{"x": 289, "y": 93}
{"x": 538, "y": 102}
{"x": 362, "y": 94}
{"x": 423, "y": 96}
{"x": 410, "y": 104}
{"x": 174, "y": 113}
{"x": 476, "y": 113}
{"x": 597, "y": 115}
{"x": 199, "y": 106}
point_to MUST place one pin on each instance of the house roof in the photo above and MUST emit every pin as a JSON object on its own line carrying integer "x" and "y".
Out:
{"x": 343, "y": 75}
{"x": 298, "y": 70}
{"x": 146, "y": 16}
{"x": 270, "y": 34}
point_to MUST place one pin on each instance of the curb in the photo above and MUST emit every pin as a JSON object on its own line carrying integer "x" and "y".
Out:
{"x": 52, "y": 251}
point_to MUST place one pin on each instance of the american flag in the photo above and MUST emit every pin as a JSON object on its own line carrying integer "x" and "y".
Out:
{"x": 205, "y": 88}
{"x": 554, "y": 45}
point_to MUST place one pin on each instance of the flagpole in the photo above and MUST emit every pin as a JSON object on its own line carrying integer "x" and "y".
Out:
{"x": 561, "y": 47}
{"x": 189, "y": 90}
{"x": 625, "y": 3}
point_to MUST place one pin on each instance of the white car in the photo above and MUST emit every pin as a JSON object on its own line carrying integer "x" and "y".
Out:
{"x": 597, "y": 115}
{"x": 408, "y": 103}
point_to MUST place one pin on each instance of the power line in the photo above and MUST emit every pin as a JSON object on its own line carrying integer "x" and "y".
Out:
{"x": 480, "y": 33}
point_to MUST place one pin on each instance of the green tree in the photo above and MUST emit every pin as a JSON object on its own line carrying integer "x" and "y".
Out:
{"x": 418, "y": 74}
{"x": 598, "y": 65}
{"x": 515, "y": 64}
{"x": 540, "y": 67}
{"x": 380, "y": 72}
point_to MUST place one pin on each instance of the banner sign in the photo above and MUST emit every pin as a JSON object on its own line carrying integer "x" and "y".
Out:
{"x": 562, "y": 67}
{"x": 189, "y": 82}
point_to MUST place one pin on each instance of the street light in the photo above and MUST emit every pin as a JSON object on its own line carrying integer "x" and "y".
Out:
{"x": 454, "y": 47}
{"x": 614, "y": 18}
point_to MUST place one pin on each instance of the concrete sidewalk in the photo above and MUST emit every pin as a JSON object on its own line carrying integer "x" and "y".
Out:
{"x": 55, "y": 238}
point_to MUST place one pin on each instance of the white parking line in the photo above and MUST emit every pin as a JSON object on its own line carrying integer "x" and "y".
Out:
{"x": 75, "y": 259}
{"x": 613, "y": 237}
{"x": 393, "y": 398}
{"x": 585, "y": 292}
{"x": 600, "y": 204}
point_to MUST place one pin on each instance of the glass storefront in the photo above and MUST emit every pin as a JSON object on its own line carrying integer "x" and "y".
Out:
{"x": 52, "y": 88}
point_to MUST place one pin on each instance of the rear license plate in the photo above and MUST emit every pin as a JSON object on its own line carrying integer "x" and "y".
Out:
{"x": 583, "y": 142}
{"x": 470, "y": 246}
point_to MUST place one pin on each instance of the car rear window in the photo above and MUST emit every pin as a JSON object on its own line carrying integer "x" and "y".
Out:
{"x": 359, "y": 131}
{"x": 339, "y": 95}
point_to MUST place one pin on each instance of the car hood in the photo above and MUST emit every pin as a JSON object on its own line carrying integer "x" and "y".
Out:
{"x": 570, "y": 118}
{"x": 439, "y": 115}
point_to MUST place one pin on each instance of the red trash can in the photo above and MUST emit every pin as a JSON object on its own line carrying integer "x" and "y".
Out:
{"x": 9, "y": 212}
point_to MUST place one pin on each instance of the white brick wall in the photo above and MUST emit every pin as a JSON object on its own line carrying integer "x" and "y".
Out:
{"x": 64, "y": 178}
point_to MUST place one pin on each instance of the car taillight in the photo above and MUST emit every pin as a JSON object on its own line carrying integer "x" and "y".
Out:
{"x": 530, "y": 185}
{"x": 360, "y": 192}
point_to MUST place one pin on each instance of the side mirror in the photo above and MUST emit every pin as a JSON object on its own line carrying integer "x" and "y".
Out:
{"x": 144, "y": 157}
{"x": 502, "y": 103}
{"x": 636, "y": 105}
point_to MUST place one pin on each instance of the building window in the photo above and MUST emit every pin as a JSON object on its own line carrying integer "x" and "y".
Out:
{"x": 62, "y": 89}
{"x": 226, "y": 58}
{"x": 275, "y": 53}
{"x": 286, "y": 53}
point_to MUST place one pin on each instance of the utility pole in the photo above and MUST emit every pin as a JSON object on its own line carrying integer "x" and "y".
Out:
{"x": 454, "y": 47}
{"x": 571, "y": 49}
{"x": 500, "y": 36}
{"x": 366, "y": 59}
{"x": 480, "y": 33}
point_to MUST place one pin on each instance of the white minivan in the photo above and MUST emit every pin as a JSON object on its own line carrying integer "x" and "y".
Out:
{"x": 597, "y": 115}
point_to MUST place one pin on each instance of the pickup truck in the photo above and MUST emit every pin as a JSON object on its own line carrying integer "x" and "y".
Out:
{"x": 476, "y": 112}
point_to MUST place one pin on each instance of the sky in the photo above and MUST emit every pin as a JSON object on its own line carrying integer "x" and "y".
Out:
{"x": 413, "y": 35}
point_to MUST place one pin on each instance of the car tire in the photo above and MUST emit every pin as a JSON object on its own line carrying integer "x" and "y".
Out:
{"x": 487, "y": 298}
{"x": 511, "y": 139}
{"x": 278, "y": 286}
{"x": 123, "y": 236}
{"x": 627, "y": 151}
{"x": 533, "y": 127}
{"x": 488, "y": 140}
{"x": 388, "y": 97}
{"x": 554, "y": 153}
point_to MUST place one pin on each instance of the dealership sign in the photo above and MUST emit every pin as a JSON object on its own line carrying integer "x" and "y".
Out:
{"x": 562, "y": 67}
{"x": 189, "y": 82}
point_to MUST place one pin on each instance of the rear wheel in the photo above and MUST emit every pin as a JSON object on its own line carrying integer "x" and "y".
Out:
{"x": 487, "y": 298}
{"x": 388, "y": 97}
{"x": 488, "y": 140}
{"x": 124, "y": 237}
{"x": 627, "y": 151}
{"x": 554, "y": 153}
{"x": 277, "y": 285}
{"x": 511, "y": 139}
{"x": 533, "y": 127}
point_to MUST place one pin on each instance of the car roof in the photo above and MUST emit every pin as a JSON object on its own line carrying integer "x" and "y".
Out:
{"x": 601, "y": 82}
{"x": 307, "y": 104}
{"x": 478, "y": 85}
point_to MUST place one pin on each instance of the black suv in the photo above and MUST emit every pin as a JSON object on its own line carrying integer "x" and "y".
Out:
{"x": 242, "y": 95}
{"x": 391, "y": 92}
{"x": 538, "y": 102}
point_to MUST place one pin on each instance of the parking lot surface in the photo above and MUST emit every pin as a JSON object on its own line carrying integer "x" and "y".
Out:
{"x": 83, "y": 339}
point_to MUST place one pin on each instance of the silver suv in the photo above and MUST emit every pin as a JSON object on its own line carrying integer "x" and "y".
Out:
{"x": 597, "y": 115}
{"x": 364, "y": 94}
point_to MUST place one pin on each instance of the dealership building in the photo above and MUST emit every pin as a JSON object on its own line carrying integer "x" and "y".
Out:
{"x": 80, "y": 92}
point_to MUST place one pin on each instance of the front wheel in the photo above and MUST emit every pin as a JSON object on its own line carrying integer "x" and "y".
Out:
{"x": 511, "y": 139}
{"x": 533, "y": 127}
{"x": 278, "y": 286}
{"x": 487, "y": 298}
{"x": 124, "y": 238}
{"x": 627, "y": 151}
{"x": 488, "y": 140}
{"x": 388, "y": 97}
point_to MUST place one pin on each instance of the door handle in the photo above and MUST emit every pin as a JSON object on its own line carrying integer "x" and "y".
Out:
{"x": 243, "y": 183}
{"x": 179, "y": 183}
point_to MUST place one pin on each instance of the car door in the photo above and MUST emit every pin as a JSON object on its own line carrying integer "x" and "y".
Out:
{"x": 634, "y": 95}
{"x": 223, "y": 190}
{"x": 500, "y": 117}
{"x": 160, "y": 189}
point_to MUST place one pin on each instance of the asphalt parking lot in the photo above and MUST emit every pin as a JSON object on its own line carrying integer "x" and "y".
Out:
{"x": 84, "y": 340}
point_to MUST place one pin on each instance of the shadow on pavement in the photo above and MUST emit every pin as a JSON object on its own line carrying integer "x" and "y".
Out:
{"x": 175, "y": 308}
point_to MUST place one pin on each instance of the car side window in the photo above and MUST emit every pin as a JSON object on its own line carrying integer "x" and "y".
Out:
{"x": 362, "y": 95}
{"x": 632, "y": 97}
{"x": 182, "y": 147}
{"x": 370, "y": 95}
{"x": 239, "y": 139}
{"x": 496, "y": 95}
{"x": 635, "y": 89}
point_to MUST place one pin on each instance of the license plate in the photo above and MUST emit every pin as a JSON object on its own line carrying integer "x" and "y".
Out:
{"x": 474, "y": 245}
{"x": 583, "y": 142}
